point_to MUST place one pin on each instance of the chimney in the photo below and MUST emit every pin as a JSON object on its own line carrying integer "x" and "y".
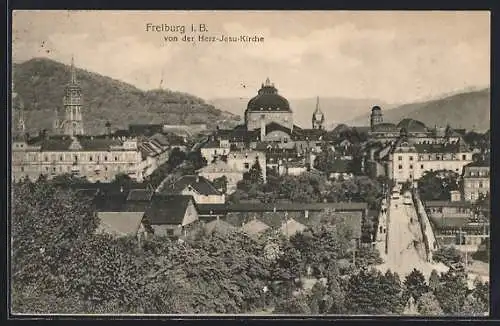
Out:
{"x": 262, "y": 128}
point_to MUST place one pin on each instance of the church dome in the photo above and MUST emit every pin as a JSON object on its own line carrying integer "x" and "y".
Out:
{"x": 411, "y": 125}
{"x": 268, "y": 99}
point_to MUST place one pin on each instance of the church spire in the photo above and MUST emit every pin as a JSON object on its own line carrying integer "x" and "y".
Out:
{"x": 73, "y": 71}
{"x": 318, "y": 116}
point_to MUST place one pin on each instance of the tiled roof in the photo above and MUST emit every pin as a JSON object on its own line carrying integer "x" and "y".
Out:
{"x": 167, "y": 210}
{"x": 119, "y": 223}
{"x": 200, "y": 184}
{"x": 63, "y": 143}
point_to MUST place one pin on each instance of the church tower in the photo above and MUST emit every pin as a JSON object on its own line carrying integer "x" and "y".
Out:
{"x": 318, "y": 117}
{"x": 376, "y": 117}
{"x": 73, "y": 122}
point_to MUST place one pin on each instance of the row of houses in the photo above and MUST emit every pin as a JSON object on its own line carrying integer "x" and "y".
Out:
{"x": 142, "y": 212}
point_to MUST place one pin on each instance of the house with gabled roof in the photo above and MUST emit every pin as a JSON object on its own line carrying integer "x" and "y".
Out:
{"x": 200, "y": 188}
{"x": 171, "y": 215}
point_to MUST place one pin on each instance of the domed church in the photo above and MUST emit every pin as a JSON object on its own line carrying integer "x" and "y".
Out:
{"x": 267, "y": 107}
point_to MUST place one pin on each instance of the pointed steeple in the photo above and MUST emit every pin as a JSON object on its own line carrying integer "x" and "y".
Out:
{"x": 318, "y": 117}
{"x": 73, "y": 71}
{"x": 318, "y": 110}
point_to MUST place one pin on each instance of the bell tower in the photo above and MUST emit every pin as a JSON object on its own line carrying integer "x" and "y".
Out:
{"x": 318, "y": 117}
{"x": 73, "y": 122}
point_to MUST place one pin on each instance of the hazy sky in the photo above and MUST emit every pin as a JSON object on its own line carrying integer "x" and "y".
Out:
{"x": 391, "y": 56}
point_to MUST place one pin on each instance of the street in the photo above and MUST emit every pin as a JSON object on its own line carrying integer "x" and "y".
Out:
{"x": 406, "y": 249}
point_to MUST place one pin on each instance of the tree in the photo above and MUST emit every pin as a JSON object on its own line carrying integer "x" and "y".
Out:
{"x": 447, "y": 255}
{"x": 415, "y": 285}
{"x": 292, "y": 306}
{"x": 368, "y": 256}
{"x": 428, "y": 305}
{"x": 254, "y": 175}
{"x": 47, "y": 224}
{"x": 473, "y": 307}
{"x": 437, "y": 185}
{"x": 176, "y": 157}
{"x": 196, "y": 159}
{"x": 370, "y": 292}
{"x": 452, "y": 291}
{"x": 434, "y": 280}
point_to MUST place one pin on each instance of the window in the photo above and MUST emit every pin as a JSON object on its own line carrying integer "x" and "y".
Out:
{"x": 60, "y": 158}
{"x": 411, "y": 158}
{"x": 411, "y": 166}
{"x": 105, "y": 168}
{"x": 464, "y": 157}
{"x": 400, "y": 158}
{"x": 116, "y": 158}
{"x": 46, "y": 158}
{"x": 105, "y": 158}
{"x": 480, "y": 184}
{"x": 422, "y": 166}
{"x": 76, "y": 157}
{"x": 22, "y": 168}
{"x": 90, "y": 158}
{"x": 247, "y": 166}
{"x": 400, "y": 167}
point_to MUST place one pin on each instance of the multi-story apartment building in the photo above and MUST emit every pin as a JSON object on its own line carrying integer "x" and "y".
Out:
{"x": 476, "y": 180}
{"x": 98, "y": 158}
{"x": 407, "y": 161}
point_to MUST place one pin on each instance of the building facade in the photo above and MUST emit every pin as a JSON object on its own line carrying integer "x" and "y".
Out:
{"x": 476, "y": 180}
{"x": 96, "y": 158}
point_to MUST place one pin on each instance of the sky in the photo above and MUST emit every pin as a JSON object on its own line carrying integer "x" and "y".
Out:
{"x": 396, "y": 57}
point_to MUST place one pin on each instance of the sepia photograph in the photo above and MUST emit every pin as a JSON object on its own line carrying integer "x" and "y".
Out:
{"x": 253, "y": 163}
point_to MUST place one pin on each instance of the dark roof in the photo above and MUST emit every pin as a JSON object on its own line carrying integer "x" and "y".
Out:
{"x": 87, "y": 192}
{"x": 443, "y": 203}
{"x": 266, "y": 98}
{"x": 111, "y": 202}
{"x": 200, "y": 184}
{"x": 206, "y": 209}
{"x": 140, "y": 195}
{"x": 385, "y": 127}
{"x": 411, "y": 125}
{"x": 263, "y": 207}
{"x": 441, "y": 148}
{"x": 273, "y": 126}
{"x": 63, "y": 143}
{"x": 167, "y": 209}
{"x": 482, "y": 164}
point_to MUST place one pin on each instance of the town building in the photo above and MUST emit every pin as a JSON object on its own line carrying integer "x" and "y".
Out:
{"x": 269, "y": 126}
{"x": 200, "y": 188}
{"x": 98, "y": 158}
{"x": 476, "y": 180}
{"x": 407, "y": 161}
{"x": 172, "y": 216}
{"x": 223, "y": 169}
